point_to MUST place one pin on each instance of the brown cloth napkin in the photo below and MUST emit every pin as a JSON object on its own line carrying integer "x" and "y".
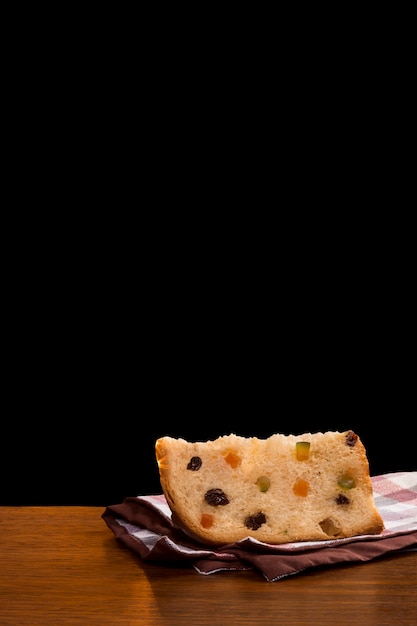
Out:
{"x": 144, "y": 524}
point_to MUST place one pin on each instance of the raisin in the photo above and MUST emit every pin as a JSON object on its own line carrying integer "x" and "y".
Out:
{"x": 194, "y": 464}
{"x": 351, "y": 438}
{"x": 255, "y": 521}
{"x": 216, "y": 497}
{"x": 342, "y": 499}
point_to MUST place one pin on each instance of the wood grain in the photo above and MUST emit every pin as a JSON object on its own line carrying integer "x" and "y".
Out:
{"x": 62, "y": 565}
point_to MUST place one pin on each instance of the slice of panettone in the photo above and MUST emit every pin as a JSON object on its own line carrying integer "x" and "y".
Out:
{"x": 285, "y": 488}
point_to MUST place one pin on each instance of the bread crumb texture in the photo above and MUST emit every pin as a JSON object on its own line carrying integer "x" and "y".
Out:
{"x": 281, "y": 489}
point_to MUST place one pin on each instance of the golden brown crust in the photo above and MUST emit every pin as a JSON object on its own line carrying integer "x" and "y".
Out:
{"x": 225, "y": 490}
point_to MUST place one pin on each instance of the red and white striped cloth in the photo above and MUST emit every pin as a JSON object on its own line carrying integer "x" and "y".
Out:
{"x": 144, "y": 524}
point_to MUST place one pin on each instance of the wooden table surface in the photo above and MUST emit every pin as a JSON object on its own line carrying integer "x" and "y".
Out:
{"x": 63, "y": 565}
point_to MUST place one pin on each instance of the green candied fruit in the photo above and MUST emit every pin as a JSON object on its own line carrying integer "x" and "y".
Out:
{"x": 302, "y": 450}
{"x": 346, "y": 482}
{"x": 263, "y": 483}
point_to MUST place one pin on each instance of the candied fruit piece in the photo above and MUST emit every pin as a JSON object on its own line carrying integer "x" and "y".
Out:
{"x": 346, "y": 482}
{"x": 233, "y": 459}
{"x": 263, "y": 483}
{"x": 255, "y": 521}
{"x": 329, "y": 527}
{"x": 207, "y": 520}
{"x": 194, "y": 464}
{"x": 216, "y": 497}
{"x": 301, "y": 487}
{"x": 302, "y": 450}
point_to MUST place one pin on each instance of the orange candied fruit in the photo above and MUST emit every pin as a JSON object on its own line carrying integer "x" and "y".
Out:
{"x": 301, "y": 487}
{"x": 207, "y": 520}
{"x": 233, "y": 459}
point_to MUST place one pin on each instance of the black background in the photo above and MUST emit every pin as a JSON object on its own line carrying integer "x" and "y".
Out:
{"x": 112, "y": 346}
{"x": 188, "y": 255}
